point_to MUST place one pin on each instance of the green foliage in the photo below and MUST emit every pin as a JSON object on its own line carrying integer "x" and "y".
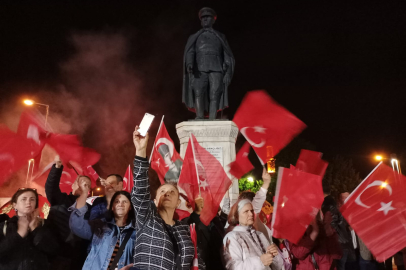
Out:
{"x": 244, "y": 184}
{"x": 340, "y": 177}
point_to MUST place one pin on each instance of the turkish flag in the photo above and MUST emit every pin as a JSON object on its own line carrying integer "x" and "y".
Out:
{"x": 128, "y": 181}
{"x": 201, "y": 170}
{"x": 32, "y": 127}
{"x": 311, "y": 162}
{"x": 69, "y": 148}
{"x": 242, "y": 164}
{"x": 67, "y": 178}
{"x": 376, "y": 211}
{"x": 266, "y": 125}
{"x": 298, "y": 198}
{"x": 15, "y": 151}
{"x": 164, "y": 158}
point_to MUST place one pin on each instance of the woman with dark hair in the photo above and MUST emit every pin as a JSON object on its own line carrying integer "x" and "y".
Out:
{"x": 25, "y": 239}
{"x": 162, "y": 242}
{"x": 112, "y": 238}
{"x": 244, "y": 247}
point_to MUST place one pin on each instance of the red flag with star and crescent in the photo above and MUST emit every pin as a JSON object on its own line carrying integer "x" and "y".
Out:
{"x": 128, "y": 181}
{"x": 242, "y": 164}
{"x": 265, "y": 124}
{"x": 201, "y": 170}
{"x": 376, "y": 210}
{"x": 165, "y": 160}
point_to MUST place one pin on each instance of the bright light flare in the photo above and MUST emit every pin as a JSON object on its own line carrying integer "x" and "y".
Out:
{"x": 250, "y": 179}
{"x": 28, "y": 102}
{"x": 283, "y": 204}
{"x": 384, "y": 184}
{"x": 98, "y": 189}
{"x": 378, "y": 157}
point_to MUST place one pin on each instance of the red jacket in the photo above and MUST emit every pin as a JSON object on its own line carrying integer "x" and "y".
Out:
{"x": 325, "y": 249}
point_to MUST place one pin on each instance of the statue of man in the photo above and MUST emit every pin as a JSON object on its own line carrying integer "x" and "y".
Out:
{"x": 208, "y": 66}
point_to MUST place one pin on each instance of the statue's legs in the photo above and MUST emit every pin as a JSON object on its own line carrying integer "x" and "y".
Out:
{"x": 200, "y": 85}
{"x": 216, "y": 88}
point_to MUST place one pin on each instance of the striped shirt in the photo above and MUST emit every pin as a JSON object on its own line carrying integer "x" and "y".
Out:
{"x": 153, "y": 248}
{"x": 116, "y": 247}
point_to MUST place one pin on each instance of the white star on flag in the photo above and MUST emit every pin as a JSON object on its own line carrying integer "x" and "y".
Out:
{"x": 157, "y": 162}
{"x": 203, "y": 184}
{"x": 259, "y": 129}
{"x": 386, "y": 207}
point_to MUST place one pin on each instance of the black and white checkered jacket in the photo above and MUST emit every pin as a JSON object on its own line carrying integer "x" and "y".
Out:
{"x": 153, "y": 246}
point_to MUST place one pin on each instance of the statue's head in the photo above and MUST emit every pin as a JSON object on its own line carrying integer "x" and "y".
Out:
{"x": 207, "y": 17}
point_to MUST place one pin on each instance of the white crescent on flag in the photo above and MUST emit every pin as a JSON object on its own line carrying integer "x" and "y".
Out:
{"x": 385, "y": 207}
{"x": 167, "y": 142}
{"x": 257, "y": 129}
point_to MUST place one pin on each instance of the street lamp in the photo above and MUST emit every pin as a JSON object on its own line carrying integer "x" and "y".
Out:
{"x": 378, "y": 157}
{"x": 30, "y": 102}
{"x": 31, "y": 162}
{"x": 394, "y": 161}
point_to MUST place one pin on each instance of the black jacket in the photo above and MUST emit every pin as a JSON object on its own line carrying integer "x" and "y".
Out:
{"x": 28, "y": 253}
{"x": 209, "y": 239}
{"x": 72, "y": 248}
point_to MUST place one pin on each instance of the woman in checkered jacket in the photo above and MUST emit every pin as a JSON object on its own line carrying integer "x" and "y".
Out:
{"x": 162, "y": 242}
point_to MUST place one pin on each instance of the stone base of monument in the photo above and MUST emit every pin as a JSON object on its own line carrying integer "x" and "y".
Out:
{"x": 218, "y": 137}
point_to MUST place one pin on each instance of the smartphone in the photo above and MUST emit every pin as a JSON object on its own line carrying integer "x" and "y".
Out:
{"x": 145, "y": 124}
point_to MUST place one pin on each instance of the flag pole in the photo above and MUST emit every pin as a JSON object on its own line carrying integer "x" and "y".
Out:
{"x": 153, "y": 146}
{"x": 194, "y": 158}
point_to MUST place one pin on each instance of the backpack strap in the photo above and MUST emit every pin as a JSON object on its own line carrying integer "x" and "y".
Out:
{"x": 5, "y": 227}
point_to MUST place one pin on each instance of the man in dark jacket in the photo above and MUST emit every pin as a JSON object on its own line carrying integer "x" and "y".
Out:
{"x": 73, "y": 249}
{"x": 209, "y": 238}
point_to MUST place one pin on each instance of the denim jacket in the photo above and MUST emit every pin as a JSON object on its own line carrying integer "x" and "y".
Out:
{"x": 103, "y": 234}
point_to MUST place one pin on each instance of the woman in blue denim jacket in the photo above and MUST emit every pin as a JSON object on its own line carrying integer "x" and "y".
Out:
{"x": 106, "y": 234}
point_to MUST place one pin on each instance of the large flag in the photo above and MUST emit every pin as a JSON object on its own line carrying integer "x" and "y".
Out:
{"x": 376, "y": 210}
{"x": 15, "y": 151}
{"x": 266, "y": 125}
{"x": 242, "y": 164}
{"x": 164, "y": 158}
{"x": 311, "y": 162}
{"x": 70, "y": 149}
{"x": 299, "y": 196}
{"x": 202, "y": 173}
{"x": 128, "y": 181}
{"x": 32, "y": 127}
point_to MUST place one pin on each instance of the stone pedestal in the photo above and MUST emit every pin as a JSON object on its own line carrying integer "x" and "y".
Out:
{"x": 218, "y": 137}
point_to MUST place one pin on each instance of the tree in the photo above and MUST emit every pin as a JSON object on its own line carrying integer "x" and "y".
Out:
{"x": 252, "y": 185}
{"x": 340, "y": 177}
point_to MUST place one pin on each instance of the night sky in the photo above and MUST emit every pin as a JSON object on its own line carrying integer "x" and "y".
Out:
{"x": 339, "y": 66}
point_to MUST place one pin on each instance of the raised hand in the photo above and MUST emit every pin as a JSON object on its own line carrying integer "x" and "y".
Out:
{"x": 266, "y": 259}
{"x": 199, "y": 202}
{"x": 58, "y": 162}
{"x": 140, "y": 143}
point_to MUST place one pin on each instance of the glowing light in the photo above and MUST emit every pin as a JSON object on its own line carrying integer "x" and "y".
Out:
{"x": 250, "y": 179}
{"x": 28, "y": 102}
{"x": 283, "y": 204}
{"x": 378, "y": 157}
{"x": 384, "y": 184}
{"x": 98, "y": 189}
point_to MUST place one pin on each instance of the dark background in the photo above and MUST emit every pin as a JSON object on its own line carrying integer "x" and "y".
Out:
{"x": 339, "y": 66}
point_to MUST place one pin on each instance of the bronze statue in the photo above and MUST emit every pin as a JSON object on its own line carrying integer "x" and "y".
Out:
{"x": 208, "y": 66}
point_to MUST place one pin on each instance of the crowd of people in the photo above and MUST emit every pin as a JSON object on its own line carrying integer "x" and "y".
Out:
{"x": 135, "y": 231}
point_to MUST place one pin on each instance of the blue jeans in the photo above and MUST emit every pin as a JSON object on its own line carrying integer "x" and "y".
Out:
{"x": 367, "y": 265}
